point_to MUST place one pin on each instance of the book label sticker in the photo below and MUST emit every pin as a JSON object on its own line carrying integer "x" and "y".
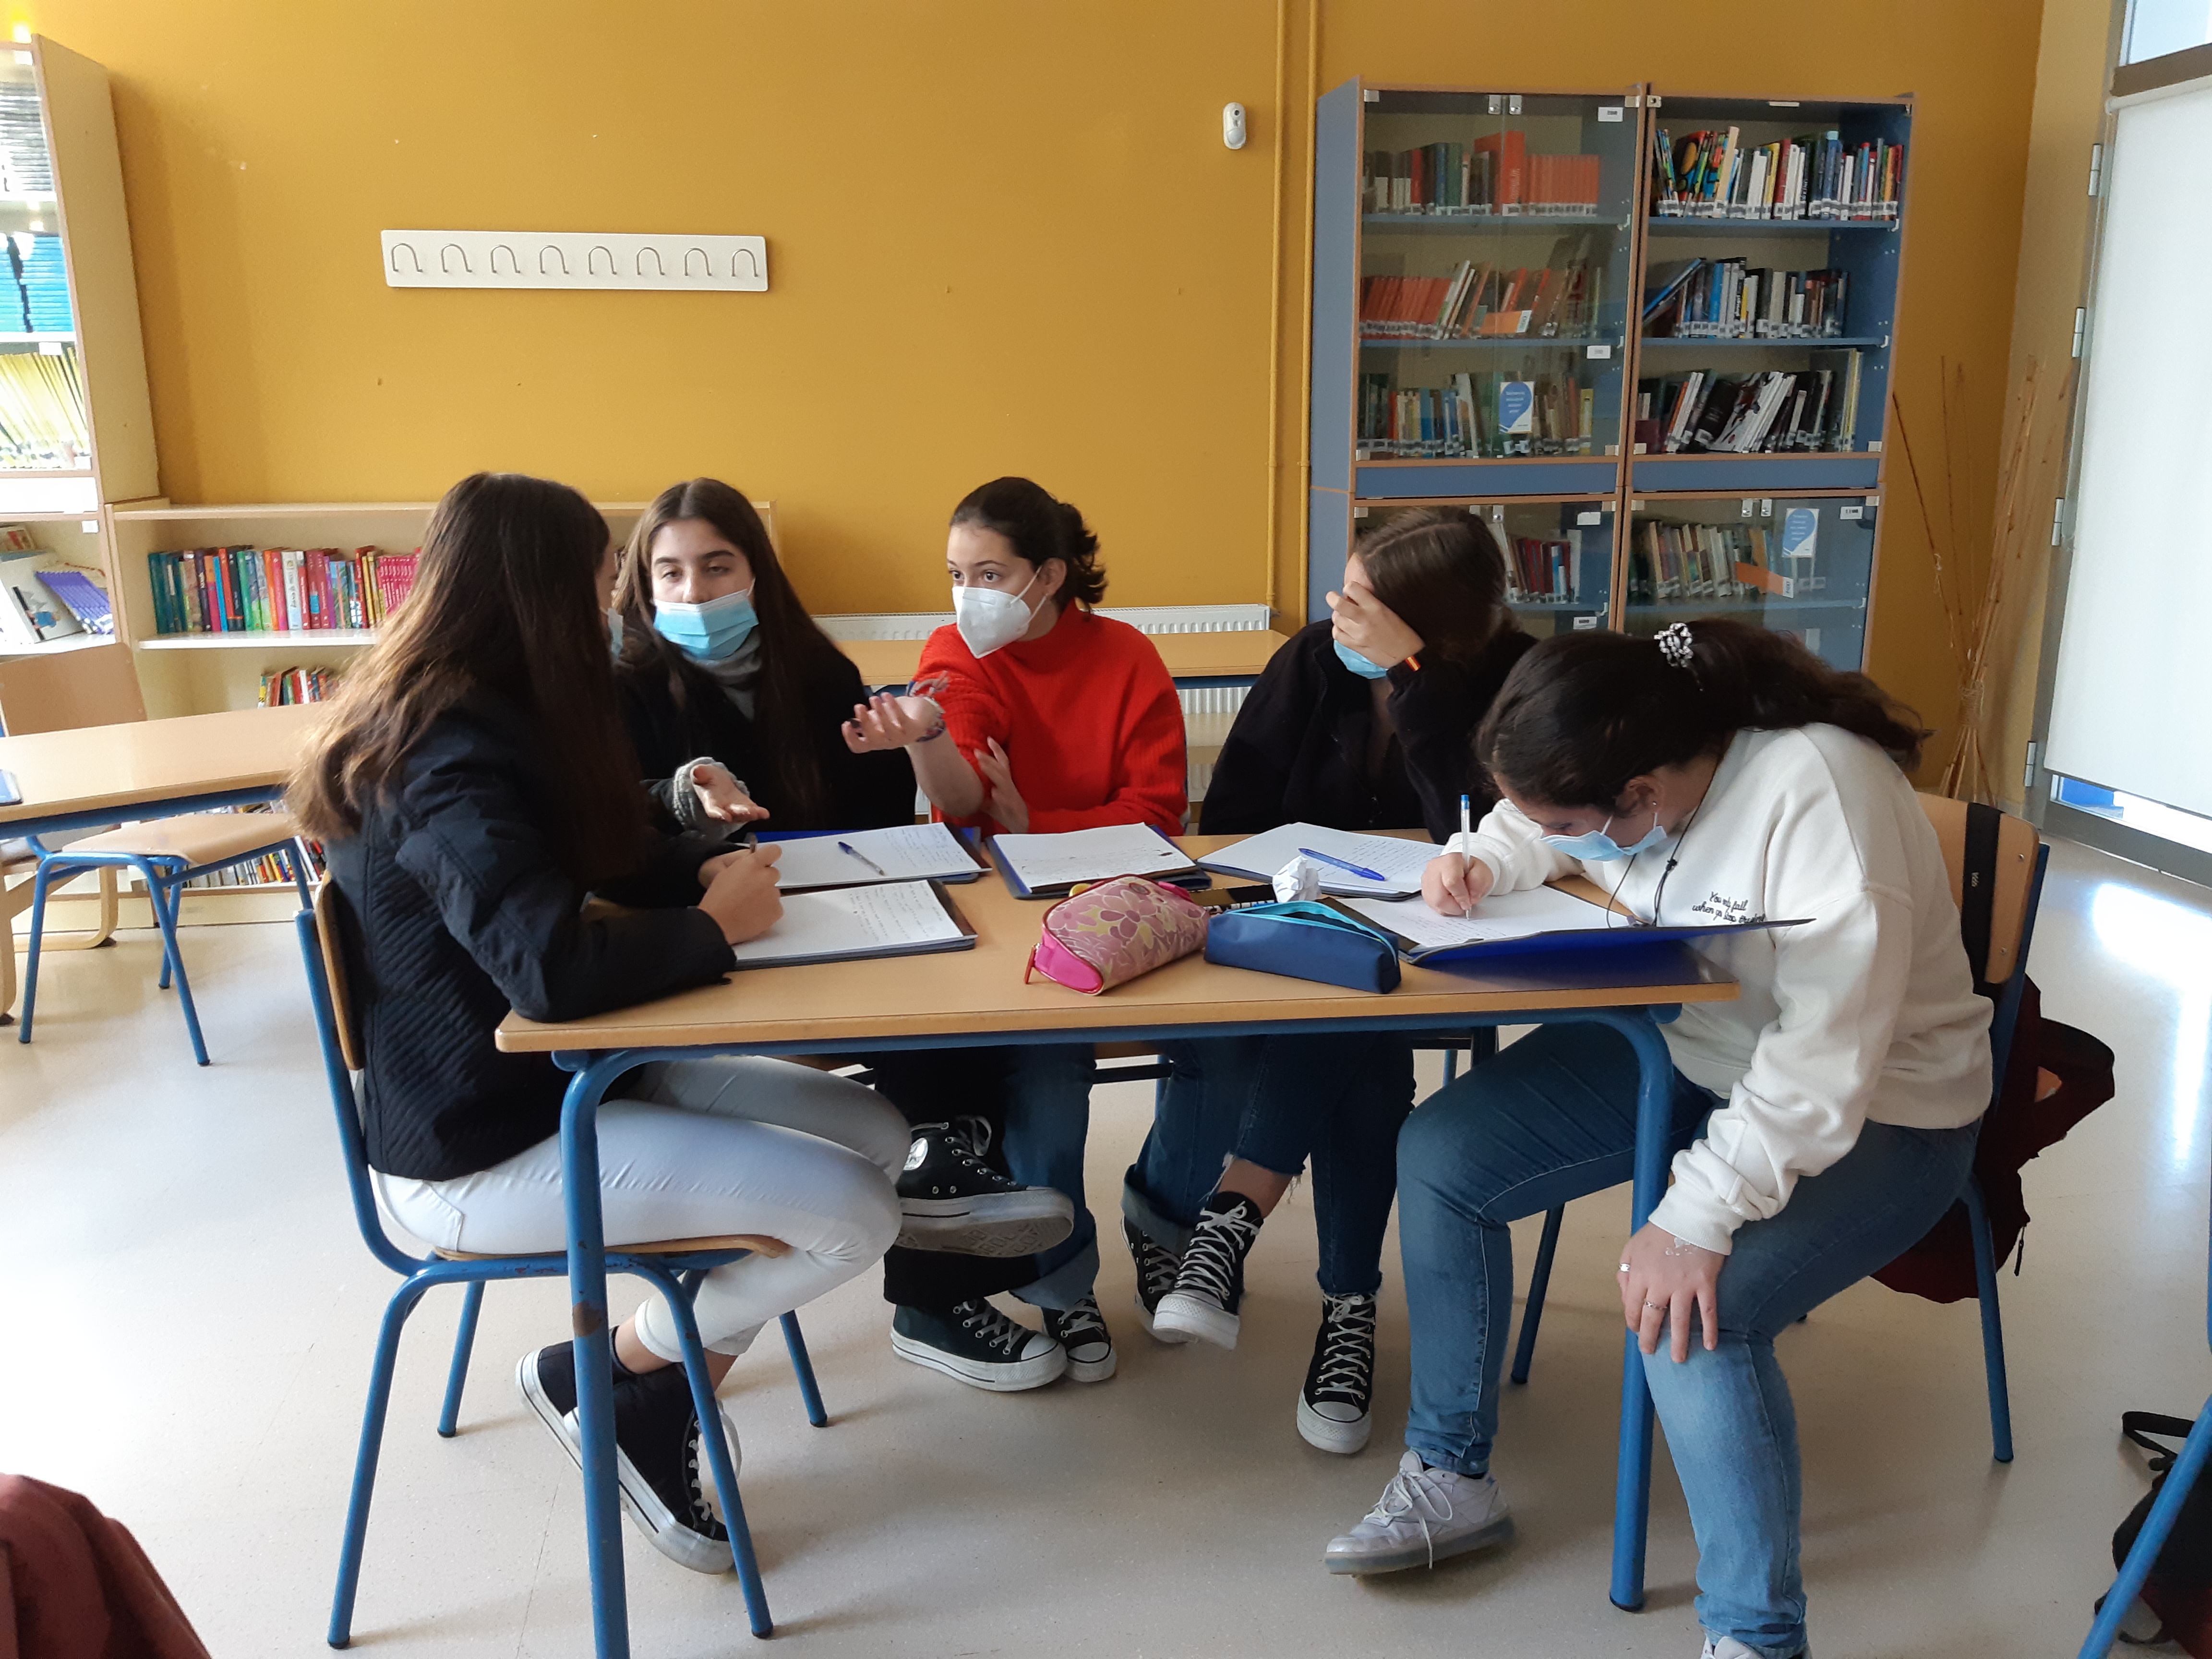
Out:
{"x": 1516, "y": 406}
{"x": 1800, "y": 531}
{"x": 1850, "y": 513}
{"x": 1587, "y": 621}
{"x": 1601, "y": 353}
{"x": 1608, "y": 112}
{"x": 1592, "y": 517}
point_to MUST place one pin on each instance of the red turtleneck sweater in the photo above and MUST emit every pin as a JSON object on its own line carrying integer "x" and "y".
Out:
{"x": 1087, "y": 716}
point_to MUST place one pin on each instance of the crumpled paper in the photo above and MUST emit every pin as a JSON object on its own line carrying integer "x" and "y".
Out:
{"x": 1298, "y": 879}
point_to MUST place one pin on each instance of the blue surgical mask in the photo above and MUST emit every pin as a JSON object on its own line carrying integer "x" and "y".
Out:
{"x": 1358, "y": 664}
{"x": 1598, "y": 847}
{"x": 708, "y": 632}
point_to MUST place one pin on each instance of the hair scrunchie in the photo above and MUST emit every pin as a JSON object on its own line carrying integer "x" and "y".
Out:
{"x": 1675, "y": 645}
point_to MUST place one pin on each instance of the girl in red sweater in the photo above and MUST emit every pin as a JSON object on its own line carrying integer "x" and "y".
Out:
{"x": 1030, "y": 714}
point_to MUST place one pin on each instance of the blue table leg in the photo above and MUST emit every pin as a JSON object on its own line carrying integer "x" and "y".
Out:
{"x": 595, "y": 1351}
{"x": 1632, "y": 1502}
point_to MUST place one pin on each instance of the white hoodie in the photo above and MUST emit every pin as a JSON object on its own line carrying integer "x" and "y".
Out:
{"x": 1867, "y": 1011}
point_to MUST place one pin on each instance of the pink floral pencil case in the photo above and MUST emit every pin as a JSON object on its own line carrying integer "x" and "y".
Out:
{"x": 1108, "y": 935}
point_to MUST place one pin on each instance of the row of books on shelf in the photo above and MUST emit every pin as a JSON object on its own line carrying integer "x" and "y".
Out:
{"x": 43, "y": 425}
{"x": 43, "y": 597}
{"x": 1781, "y": 410}
{"x": 1714, "y": 174}
{"x": 227, "y": 590}
{"x": 1479, "y": 299}
{"x": 284, "y": 686}
{"x": 1547, "y": 571}
{"x": 37, "y": 291}
{"x": 1731, "y": 299}
{"x": 1705, "y": 562}
{"x": 1487, "y": 416}
{"x": 1495, "y": 175}
{"x": 268, "y": 871}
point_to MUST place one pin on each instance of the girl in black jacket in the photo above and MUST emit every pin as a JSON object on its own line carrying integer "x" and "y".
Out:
{"x": 734, "y": 699}
{"x": 1366, "y": 721}
{"x": 472, "y": 784}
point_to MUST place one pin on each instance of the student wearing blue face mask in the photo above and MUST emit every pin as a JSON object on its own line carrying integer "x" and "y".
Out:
{"x": 1823, "y": 1120}
{"x": 733, "y": 697}
{"x": 1364, "y": 721}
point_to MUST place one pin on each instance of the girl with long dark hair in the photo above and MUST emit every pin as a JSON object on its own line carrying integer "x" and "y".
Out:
{"x": 1823, "y": 1120}
{"x": 1364, "y": 721}
{"x": 1039, "y": 715}
{"x": 733, "y": 694}
{"x": 472, "y": 784}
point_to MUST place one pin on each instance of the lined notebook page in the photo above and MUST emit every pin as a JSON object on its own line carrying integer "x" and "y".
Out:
{"x": 885, "y": 919}
{"x": 1400, "y": 863}
{"x": 1502, "y": 916}
{"x": 1113, "y": 850}
{"x": 906, "y": 852}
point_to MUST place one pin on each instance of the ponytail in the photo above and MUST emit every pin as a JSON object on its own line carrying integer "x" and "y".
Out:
{"x": 1582, "y": 713}
{"x": 1040, "y": 528}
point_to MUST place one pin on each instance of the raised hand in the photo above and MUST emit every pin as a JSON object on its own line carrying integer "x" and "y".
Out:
{"x": 891, "y": 721}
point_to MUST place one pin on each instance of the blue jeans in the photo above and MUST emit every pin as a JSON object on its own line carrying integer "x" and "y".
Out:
{"x": 1276, "y": 1102}
{"x": 1553, "y": 1118}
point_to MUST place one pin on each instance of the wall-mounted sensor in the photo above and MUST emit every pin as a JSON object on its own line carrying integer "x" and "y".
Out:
{"x": 1233, "y": 132}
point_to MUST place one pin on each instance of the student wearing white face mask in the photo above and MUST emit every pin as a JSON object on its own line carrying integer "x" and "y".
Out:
{"x": 1040, "y": 715}
{"x": 1822, "y": 1121}
{"x": 731, "y": 694}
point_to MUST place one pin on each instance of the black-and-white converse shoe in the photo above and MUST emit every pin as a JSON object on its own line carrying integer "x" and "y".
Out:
{"x": 1156, "y": 1276}
{"x": 979, "y": 1345}
{"x": 1210, "y": 1283}
{"x": 666, "y": 1487}
{"x": 951, "y": 1199}
{"x": 1333, "y": 1406}
{"x": 1082, "y": 1332}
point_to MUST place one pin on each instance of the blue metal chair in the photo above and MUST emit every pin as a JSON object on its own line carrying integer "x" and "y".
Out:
{"x": 2022, "y": 860}
{"x": 675, "y": 1267}
{"x": 166, "y": 854}
{"x": 2157, "y": 1527}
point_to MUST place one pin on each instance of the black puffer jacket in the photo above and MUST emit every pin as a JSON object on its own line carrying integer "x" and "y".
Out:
{"x": 460, "y": 910}
{"x": 1297, "y": 753}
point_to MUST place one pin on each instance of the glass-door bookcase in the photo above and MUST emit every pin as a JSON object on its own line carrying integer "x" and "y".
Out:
{"x": 1558, "y": 553}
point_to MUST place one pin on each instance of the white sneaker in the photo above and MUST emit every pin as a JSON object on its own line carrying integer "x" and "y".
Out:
{"x": 1727, "y": 1647}
{"x": 1423, "y": 1516}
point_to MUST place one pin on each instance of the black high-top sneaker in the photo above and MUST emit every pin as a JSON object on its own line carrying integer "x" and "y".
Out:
{"x": 1083, "y": 1333}
{"x": 1334, "y": 1411}
{"x": 951, "y": 1199}
{"x": 1210, "y": 1283}
{"x": 976, "y": 1343}
{"x": 1156, "y": 1277}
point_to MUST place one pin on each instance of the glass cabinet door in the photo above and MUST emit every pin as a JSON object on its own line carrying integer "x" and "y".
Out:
{"x": 1494, "y": 286}
{"x": 1800, "y": 565}
{"x": 1557, "y": 556}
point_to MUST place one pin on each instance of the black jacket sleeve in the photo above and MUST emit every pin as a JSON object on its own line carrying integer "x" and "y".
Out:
{"x": 873, "y": 790}
{"x": 1436, "y": 709}
{"x": 470, "y": 836}
{"x": 656, "y": 733}
{"x": 1253, "y": 776}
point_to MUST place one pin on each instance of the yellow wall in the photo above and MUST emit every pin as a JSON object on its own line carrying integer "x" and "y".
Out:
{"x": 1003, "y": 236}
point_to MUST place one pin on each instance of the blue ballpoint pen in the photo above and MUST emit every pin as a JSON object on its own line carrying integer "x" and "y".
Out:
{"x": 848, "y": 847}
{"x": 1365, "y": 875}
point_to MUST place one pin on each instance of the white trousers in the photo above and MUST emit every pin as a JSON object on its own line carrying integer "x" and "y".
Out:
{"x": 695, "y": 1149}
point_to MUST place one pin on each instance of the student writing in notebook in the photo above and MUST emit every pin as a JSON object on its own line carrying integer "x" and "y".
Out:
{"x": 732, "y": 695}
{"x": 1822, "y": 1121}
{"x": 1040, "y": 715}
{"x": 1364, "y": 721}
{"x": 472, "y": 784}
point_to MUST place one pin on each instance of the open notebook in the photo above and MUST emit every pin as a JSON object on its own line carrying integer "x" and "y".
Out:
{"x": 852, "y": 858}
{"x": 1046, "y": 866}
{"x": 1395, "y": 865}
{"x": 849, "y": 924}
{"x": 1539, "y": 919}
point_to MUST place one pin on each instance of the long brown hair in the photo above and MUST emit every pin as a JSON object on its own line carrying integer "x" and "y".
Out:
{"x": 1443, "y": 574}
{"x": 505, "y": 601}
{"x": 1582, "y": 713}
{"x": 795, "y": 653}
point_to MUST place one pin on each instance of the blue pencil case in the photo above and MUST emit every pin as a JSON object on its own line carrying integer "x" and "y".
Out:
{"x": 1305, "y": 940}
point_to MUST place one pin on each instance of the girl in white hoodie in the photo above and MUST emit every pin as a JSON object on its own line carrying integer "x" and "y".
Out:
{"x": 1823, "y": 1120}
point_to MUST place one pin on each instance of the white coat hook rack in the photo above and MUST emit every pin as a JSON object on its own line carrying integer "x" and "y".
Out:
{"x": 565, "y": 258}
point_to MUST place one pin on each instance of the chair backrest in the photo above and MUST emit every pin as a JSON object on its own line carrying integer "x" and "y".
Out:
{"x": 322, "y": 951}
{"x": 96, "y": 686}
{"x": 2011, "y": 905}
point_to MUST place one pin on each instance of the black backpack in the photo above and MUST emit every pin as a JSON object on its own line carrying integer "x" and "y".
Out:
{"x": 2180, "y": 1587}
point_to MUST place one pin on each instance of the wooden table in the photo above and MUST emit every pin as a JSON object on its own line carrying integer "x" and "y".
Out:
{"x": 102, "y": 774}
{"x": 976, "y": 999}
{"x": 1230, "y": 657}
